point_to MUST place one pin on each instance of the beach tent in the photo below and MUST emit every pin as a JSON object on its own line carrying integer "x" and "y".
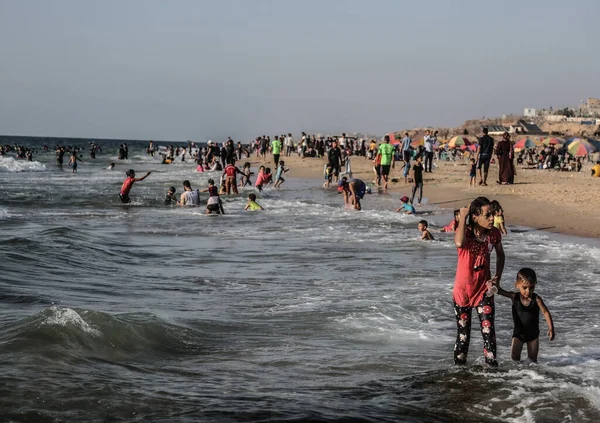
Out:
{"x": 418, "y": 143}
{"x": 458, "y": 141}
{"x": 579, "y": 147}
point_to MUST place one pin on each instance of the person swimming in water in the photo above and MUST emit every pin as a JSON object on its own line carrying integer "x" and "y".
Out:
{"x": 128, "y": 183}
{"x": 170, "y": 197}
{"x": 252, "y": 204}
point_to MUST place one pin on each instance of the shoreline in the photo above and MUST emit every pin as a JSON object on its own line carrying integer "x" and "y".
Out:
{"x": 560, "y": 202}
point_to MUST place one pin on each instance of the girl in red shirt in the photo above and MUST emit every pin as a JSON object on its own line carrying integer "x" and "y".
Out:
{"x": 475, "y": 239}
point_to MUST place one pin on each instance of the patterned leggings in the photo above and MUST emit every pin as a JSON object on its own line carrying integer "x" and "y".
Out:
{"x": 485, "y": 311}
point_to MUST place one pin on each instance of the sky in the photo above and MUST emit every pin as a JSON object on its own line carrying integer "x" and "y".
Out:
{"x": 199, "y": 70}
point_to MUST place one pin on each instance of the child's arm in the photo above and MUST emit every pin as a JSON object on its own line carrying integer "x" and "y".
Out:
{"x": 500, "y": 257}
{"x": 501, "y": 290}
{"x": 547, "y": 316}
{"x": 143, "y": 177}
{"x": 424, "y": 236}
{"x": 459, "y": 236}
{"x": 503, "y": 227}
{"x": 247, "y": 207}
{"x": 261, "y": 207}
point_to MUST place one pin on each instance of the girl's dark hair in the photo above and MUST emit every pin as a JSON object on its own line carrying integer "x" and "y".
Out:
{"x": 475, "y": 208}
{"x": 527, "y": 275}
{"x": 496, "y": 206}
{"x": 211, "y": 181}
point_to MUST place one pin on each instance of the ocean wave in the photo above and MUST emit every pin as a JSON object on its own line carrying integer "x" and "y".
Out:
{"x": 9, "y": 164}
{"x": 97, "y": 333}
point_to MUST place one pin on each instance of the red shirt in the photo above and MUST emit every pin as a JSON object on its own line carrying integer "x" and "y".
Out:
{"x": 230, "y": 170}
{"x": 126, "y": 187}
{"x": 469, "y": 284}
{"x": 451, "y": 227}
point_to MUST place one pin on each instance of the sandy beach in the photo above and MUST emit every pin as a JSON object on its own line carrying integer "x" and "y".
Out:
{"x": 562, "y": 202}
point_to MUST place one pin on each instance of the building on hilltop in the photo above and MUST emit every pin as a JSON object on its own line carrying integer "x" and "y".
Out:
{"x": 527, "y": 128}
{"x": 529, "y": 112}
{"x": 496, "y": 129}
{"x": 592, "y": 106}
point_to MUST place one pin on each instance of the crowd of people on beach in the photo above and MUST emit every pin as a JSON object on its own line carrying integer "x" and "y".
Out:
{"x": 478, "y": 228}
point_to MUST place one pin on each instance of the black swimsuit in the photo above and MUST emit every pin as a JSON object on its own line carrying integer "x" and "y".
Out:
{"x": 526, "y": 319}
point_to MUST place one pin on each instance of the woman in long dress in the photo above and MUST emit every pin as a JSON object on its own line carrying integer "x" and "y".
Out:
{"x": 506, "y": 155}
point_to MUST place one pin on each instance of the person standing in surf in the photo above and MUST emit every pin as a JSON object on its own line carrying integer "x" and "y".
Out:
{"x": 189, "y": 196}
{"x": 475, "y": 238}
{"x": 73, "y": 160}
{"x": 128, "y": 183}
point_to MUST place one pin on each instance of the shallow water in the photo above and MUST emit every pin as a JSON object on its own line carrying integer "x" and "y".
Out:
{"x": 305, "y": 312}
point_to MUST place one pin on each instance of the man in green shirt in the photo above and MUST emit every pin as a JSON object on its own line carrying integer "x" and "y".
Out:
{"x": 387, "y": 159}
{"x": 276, "y": 150}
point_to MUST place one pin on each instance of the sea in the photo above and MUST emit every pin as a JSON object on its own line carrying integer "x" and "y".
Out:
{"x": 306, "y": 312}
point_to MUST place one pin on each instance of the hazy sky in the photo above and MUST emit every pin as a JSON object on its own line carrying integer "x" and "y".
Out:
{"x": 178, "y": 70}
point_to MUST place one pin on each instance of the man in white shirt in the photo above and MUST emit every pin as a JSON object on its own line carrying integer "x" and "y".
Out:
{"x": 428, "y": 141}
{"x": 289, "y": 145}
{"x": 342, "y": 141}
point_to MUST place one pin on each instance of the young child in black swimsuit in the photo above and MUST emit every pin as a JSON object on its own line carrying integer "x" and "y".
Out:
{"x": 526, "y": 308}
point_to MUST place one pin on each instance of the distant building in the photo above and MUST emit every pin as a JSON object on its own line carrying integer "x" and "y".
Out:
{"x": 593, "y": 106}
{"x": 528, "y": 128}
{"x": 529, "y": 113}
{"x": 496, "y": 129}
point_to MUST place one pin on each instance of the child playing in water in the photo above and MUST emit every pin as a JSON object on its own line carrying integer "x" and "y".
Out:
{"x": 170, "y": 197}
{"x": 128, "y": 183}
{"x": 405, "y": 206}
{"x": 451, "y": 227}
{"x": 328, "y": 173}
{"x": 246, "y": 173}
{"x": 279, "y": 174}
{"x": 263, "y": 177}
{"x": 213, "y": 204}
{"x": 473, "y": 173}
{"x": 425, "y": 234}
{"x": 498, "y": 217}
{"x": 526, "y": 308}
{"x": 73, "y": 161}
{"x": 252, "y": 204}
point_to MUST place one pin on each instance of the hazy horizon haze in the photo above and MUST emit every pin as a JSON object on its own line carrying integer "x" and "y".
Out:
{"x": 198, "y": 69}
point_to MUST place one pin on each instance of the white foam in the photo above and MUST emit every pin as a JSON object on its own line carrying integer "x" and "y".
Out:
{"x": 67, "y": 316}
{"x": 9, "y": 164}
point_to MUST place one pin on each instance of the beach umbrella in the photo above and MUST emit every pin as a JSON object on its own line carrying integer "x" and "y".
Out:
{"x": 470, "y": 147}
{"x": 418, "y": 143}
{"x": 594, "y": 143}
{"x": 525, "y": 143}
{"x": 553, "y": 141}
{"x": 458, "y": 141}
{"x": 580, "y": 147}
